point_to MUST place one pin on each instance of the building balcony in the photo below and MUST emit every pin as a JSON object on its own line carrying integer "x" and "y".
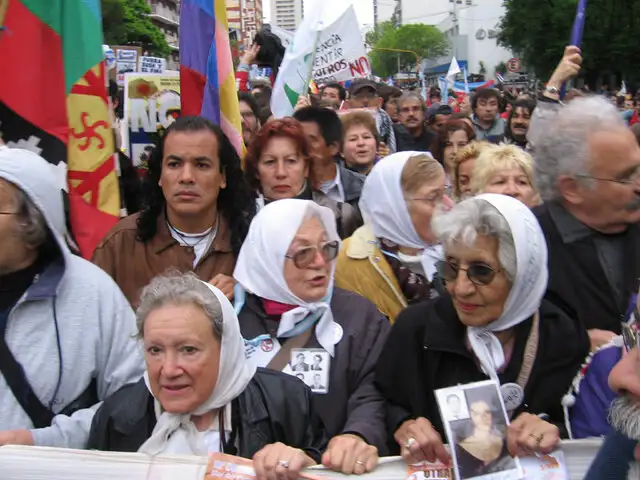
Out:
{"x": 164, "y": 15}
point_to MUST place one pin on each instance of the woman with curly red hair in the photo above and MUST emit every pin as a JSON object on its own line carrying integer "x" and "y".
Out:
{"x": 277, "y": 166}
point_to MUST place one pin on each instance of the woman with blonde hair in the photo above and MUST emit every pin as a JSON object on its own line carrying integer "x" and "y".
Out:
{"x": 391, "y": 259}
{"x": 505, "y": 169}
{"x": 462, "y": 169}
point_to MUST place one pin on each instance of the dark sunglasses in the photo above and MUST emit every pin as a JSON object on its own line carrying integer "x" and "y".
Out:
{"x": 305, "y": 256}
{"x": 630, "y": 337}
{"x": 478, "y": 273}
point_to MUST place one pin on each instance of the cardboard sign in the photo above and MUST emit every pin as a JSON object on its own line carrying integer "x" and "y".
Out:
{"x": 152, "y": 65}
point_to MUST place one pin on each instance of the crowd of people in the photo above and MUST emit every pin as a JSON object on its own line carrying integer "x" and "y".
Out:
{"x": 301, "y": 305}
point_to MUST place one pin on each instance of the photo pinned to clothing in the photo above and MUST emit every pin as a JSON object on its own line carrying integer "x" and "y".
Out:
{"x": 312, "y": 365}
{"x": 478, "y": 442}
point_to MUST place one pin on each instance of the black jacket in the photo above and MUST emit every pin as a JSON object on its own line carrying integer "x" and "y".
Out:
{"x": 406, "y": 142}
{"x": 577, "y": 281}
{"x": 353, "y": 404}
{"x": 274, "y": 407}
{"x": 427, "y": 350}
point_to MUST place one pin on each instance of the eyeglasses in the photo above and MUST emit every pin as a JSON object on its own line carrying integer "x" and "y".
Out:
{"x": 477, "y": 273}
{"x": 433, "y": 199}
{"x": 247, "y": 115}
{"x": 630, "y": 180}
{"x": 306, "y": 255}
{"x": 630, "y": 337}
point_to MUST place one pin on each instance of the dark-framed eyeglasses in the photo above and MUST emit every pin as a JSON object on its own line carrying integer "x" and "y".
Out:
{"x": 630, "y": 337}
{"x": 305, "y": 256}
{"x": 630, "y": 180}
{"x": 477, "y": 273}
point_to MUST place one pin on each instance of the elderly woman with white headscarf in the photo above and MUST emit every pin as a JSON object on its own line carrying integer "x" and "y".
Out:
{"x": 200, "y": 395}
{"x": 492, "y": 324}
{"x": 391, "y": 259}
{"x": 294, "y": 321}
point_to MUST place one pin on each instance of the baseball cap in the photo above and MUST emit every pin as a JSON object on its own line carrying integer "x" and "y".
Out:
{"x": 360, "y": 84}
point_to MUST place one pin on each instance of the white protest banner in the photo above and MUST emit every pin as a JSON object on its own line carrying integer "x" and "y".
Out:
{"x": 296, "y": 68}
{"x": 152, "y": 65}
{"x": 285, "y": 36}
{"x": 126, "y": 61}
{"x": 340, "y": 53}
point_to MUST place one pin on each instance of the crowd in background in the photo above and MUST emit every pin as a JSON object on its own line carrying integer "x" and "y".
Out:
{"x": 413, "y": 244}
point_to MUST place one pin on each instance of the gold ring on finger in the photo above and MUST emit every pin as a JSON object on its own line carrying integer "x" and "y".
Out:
{"x": 359, "y": 462}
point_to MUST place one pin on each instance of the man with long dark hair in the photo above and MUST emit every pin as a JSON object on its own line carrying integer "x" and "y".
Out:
{"x": 196, "y": 210}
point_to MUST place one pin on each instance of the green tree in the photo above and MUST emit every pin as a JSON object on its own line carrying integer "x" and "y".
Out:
{"x": 126, "y": 22}
{"x": 426, "y": 40}
{"x": 539, "y": 31}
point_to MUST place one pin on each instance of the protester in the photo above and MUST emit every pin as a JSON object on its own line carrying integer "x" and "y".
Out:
{"x": 505, "y": 169}
{"x": 197, "y": 211}
{"x": 360, "y": 144}
{"x": 452, "y": 137}
{"x": 364, "y": 94}
{"x": 323, "y": 131}
{"x": 411, "y": 132}
{"x": 200, "y": 395}
{"x": 335, "y": 94}
{"x": 495, "y": 272}
{"x": 488, "y": 125}
{"x": 462, "y": 170}
{"x": 391, "y": 259}
{"x": 277, "y": 166}
{"x": 250, "y": 115}
{"x": 616, "y": 456}
{"x": 518, "y": 122}
{"x": 65, "y": 326}
{"x": 587, "y": 170}
{"x": 286, "y": 267}
{"x": 439, "y": 117}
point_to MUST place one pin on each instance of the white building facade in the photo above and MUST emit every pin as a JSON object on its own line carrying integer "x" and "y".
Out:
{"x": 471, "y": 27}
{"x": 286, "y": 14}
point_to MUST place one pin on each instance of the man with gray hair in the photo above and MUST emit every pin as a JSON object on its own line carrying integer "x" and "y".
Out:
{"x": 412, "y": 133}
{"x": 65, "y": 327}
{"x": 587, "y": 170}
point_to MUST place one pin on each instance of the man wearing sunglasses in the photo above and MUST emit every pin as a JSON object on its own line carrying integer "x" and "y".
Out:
{"x": 587, "y": 168}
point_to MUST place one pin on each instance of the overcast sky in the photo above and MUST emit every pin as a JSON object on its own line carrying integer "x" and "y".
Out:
{"x": 364, "y": 11}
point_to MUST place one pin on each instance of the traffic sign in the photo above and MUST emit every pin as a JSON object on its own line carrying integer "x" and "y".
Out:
{"x": 513, "y": 65}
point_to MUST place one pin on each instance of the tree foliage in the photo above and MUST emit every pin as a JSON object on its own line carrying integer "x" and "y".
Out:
{"x": 539, "y": 31}
{"x": 126, "y": 22}
{"x": 426, "y": 40}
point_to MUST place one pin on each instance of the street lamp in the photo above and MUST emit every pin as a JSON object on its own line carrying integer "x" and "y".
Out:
{"x": 398, "y": 50}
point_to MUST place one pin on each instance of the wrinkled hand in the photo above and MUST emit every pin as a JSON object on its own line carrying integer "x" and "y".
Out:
{"x": 303, "y": 101}
{"x": 529, "y": 434}
{"x": 599, "y": 337}
{"x": 568, "y": 67}
{"x": 16, "y": 437}
{"x": 350, "y": 454}
{"x": 225, "y": 284}
{"x": 250, "y": 54}
{"x": 279, "y": 462}
{"x": 383, "y": 150}
{"x": 419, "y": 441}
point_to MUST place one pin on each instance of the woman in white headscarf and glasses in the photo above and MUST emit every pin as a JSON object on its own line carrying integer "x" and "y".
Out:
{"x": 493, "y": 323}
{"x": 391, "y": 259}
{"x": 294, "y": 321}
{"x": 200, "y": 395}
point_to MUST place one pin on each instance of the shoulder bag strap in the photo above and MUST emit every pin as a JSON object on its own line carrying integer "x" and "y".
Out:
{"x": 530, "y": 352}
{"x": 281, "y": 359}
{"x": 15, "y": 377}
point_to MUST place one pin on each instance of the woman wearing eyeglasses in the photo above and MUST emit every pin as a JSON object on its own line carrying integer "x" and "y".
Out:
{"x": 492, "y": 324}
{"x": 391, "y": 259}
{"x": 290, "y": 313}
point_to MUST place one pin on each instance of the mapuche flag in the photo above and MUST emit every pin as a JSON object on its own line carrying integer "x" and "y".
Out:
{"x": 53, "y": 101}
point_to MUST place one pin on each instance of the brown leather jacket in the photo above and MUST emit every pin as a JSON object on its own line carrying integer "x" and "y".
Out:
{"x": 133, "y": 264}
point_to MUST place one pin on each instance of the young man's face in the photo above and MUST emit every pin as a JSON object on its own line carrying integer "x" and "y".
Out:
{"x": 487, "y": 109}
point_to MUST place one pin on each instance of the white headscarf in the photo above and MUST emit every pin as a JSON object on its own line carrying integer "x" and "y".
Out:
{"x": 383, "y": 206}
{"x": 176, "y": 433}
{"x": 528, "y": 287}
{"x": 260, "y": 265}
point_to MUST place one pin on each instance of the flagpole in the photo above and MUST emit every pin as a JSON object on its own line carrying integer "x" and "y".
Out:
{"x": 315, "y": 47}
{"x": 576, "y": 34}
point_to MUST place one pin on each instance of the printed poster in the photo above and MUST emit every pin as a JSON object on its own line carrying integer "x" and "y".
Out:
{"x": 152, "y": 65}
{"x": 151, "y": 104}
